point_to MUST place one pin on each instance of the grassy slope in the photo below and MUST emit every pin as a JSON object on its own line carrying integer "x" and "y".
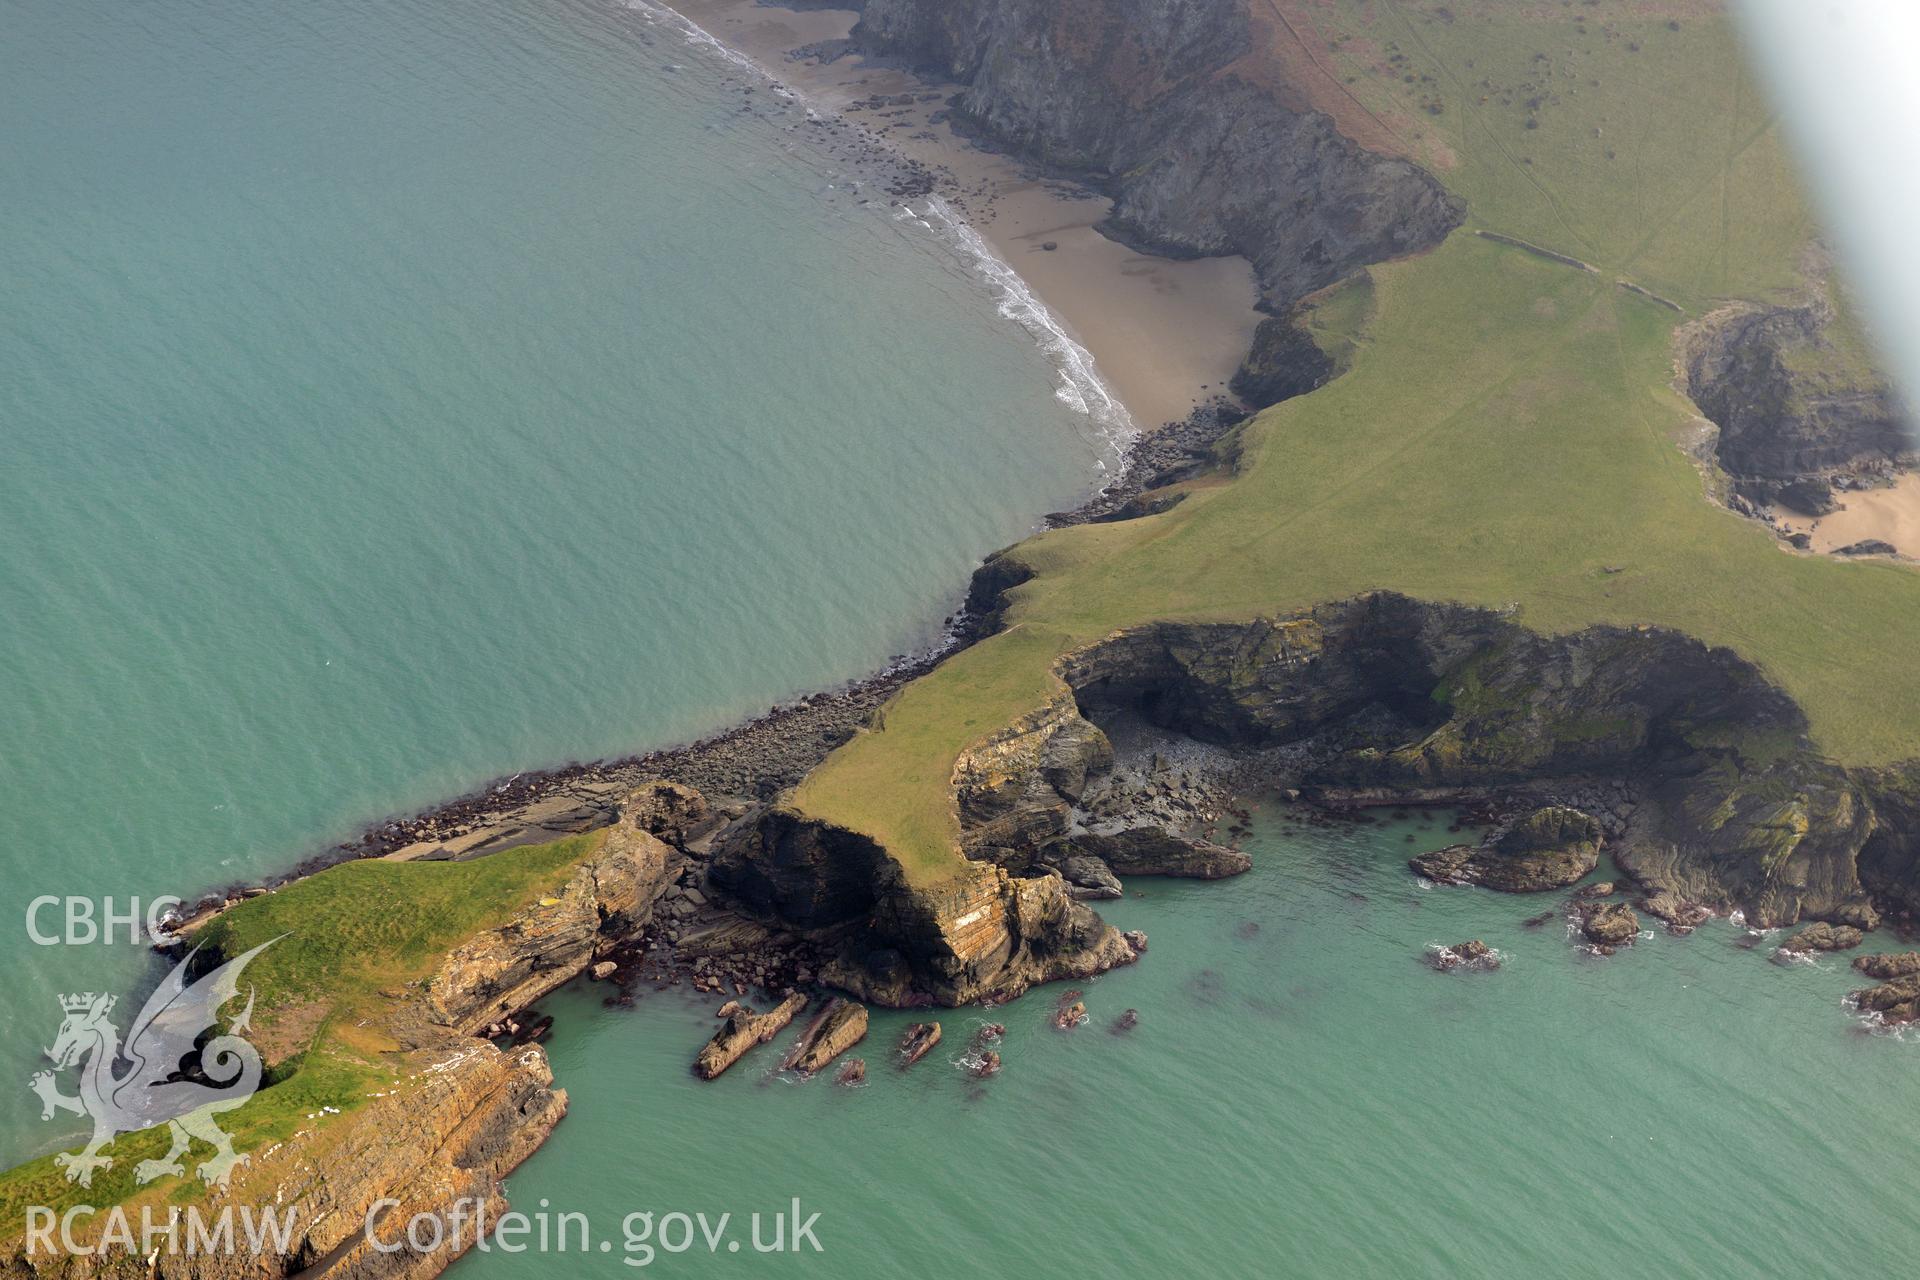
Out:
{"x": 1507, "y": 432}
{"x": 345, "y": 936}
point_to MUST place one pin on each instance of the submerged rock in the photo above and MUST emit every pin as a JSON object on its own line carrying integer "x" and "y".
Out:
{"x": 918, "y": 1041}
{"x": 1550, "y": 848}
{"x": 1474, "y": 955}
{"x": 1127, "y": 1021}
{"x": 854, "y": 1072}
{"x": 1894, "y": 1002}
{"x": 1680, "y": 915}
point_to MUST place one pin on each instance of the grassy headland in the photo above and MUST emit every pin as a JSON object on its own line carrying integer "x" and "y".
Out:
{"x": 1507, "y": 432}
{"x": 348, "y": 939}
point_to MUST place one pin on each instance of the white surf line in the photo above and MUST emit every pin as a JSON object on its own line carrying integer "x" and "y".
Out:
{"x": 1080, "y": 386}
{"x": 701, "y": 38}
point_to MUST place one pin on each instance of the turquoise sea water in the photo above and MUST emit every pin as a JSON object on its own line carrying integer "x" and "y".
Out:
{"x": 1303, "y": 1096}
{"x": 399, "y": 394}
{"x": 395, "y": 395}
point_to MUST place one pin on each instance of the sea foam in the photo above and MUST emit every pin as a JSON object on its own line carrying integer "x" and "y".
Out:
{"x": 1078, "y": 383}
{"x": 1080, "y": 386}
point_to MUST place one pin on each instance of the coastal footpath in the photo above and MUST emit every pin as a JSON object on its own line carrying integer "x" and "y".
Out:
{"x": 1475, "y": 548}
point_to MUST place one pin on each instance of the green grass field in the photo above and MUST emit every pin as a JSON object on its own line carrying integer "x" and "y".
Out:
{"x": 1626, "y": 133}
{"x": 363, "y": 927}
{"x": 1507, "y": 432}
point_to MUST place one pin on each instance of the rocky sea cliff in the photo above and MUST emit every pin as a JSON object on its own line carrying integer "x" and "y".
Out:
{"x": 1683, "y": 761}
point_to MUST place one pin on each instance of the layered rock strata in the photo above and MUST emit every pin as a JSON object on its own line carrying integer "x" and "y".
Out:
{"x": 741, "y": 1029}
{"x": 460, "y": 1113}
{"x": 838, "y": 1026}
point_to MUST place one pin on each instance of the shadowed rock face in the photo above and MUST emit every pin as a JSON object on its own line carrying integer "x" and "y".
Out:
{"x": 1738, "y": 808}
{"x": 1823, "y": 937}
{"x": 1890, "y": 857}
{"x": 1139, "y": 96}
{"x": 978, "y": 932}
{"x": 1285, "y": 362}
{"x": 1154, "y": 851}
{"x": 813, "y": 877}
{"x": 1792, "y": 421}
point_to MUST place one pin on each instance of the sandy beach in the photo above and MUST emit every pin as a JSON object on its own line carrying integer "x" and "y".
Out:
{"x": 1890, "y": 515}
{"x": 1164, "y": 335}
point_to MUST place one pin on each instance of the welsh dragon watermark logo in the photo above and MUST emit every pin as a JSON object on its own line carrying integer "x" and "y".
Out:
{"x": 175, "y": 1067}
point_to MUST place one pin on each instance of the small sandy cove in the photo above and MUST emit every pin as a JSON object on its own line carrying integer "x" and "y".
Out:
{"x": 1165, "y": 335}
{"x": 1890, "y": 515}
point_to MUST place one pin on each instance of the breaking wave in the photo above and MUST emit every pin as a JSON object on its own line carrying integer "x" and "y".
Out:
{"x": 705, "y": 41}
{"x": 1079, "y": 384}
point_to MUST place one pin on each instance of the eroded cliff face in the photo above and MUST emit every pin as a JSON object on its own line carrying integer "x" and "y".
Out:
{"x": 1015, "y": 791}
{"x": 463, "y": 1114}
{"x": 607, "y": 900}
{"x": 1738, "y": 809}
{"x": 1157, "y": 102}
{"x": 978, "y": 933}
{"x": 1798, "y": 412}
{"x": 460, "y": 1112}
